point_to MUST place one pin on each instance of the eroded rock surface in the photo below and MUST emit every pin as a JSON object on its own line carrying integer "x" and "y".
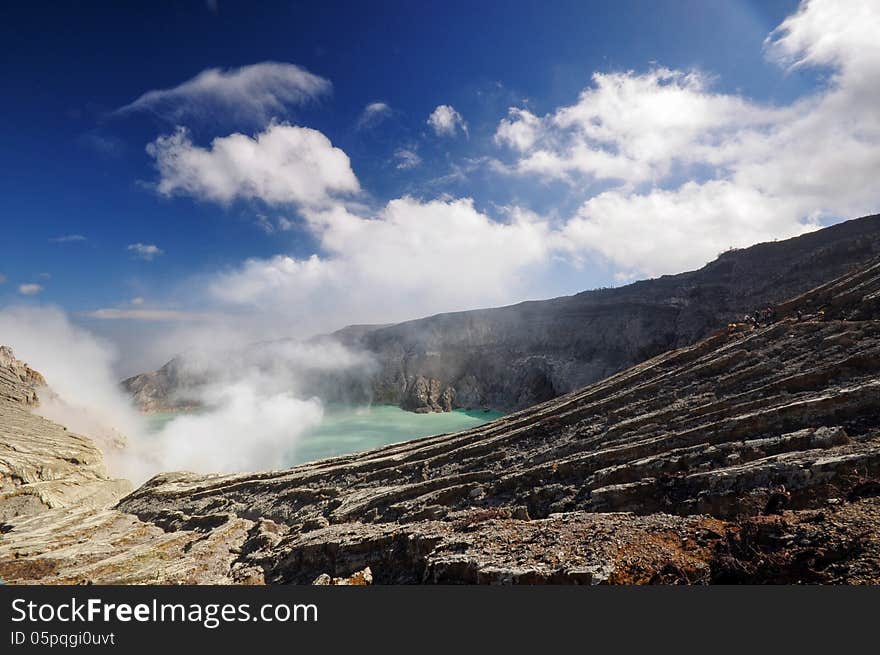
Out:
{"x": 752, "y": 455}
{"x": 56, "y": 521}
{"x": 509, "y": 358}
{"x": 84, "y": 545}
{"x": 42, "y": 465}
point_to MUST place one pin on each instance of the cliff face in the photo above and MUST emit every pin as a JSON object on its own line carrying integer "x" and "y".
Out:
{"x": 752, "y": 455}
{"x": 168, "y": 388}
{"x": 57, "y": 522}
{"x": 42, "y": 465}
{"x": 512, "y": 357}
{"x": 18, "y": 381}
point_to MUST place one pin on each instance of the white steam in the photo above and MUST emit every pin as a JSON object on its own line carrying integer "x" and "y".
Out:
{"x": 242, "y": 430}
{"x": 255, "y": 404}
{"x": 77, "y": 366}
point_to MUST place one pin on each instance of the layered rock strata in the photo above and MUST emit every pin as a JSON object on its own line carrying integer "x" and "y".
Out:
{"x": 752, "y": 455}
{"x": 509, "y": 358}
{"x": 42, "y": 465}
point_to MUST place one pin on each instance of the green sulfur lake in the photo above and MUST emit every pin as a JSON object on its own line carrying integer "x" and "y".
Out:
{"x": 346, "y": 429}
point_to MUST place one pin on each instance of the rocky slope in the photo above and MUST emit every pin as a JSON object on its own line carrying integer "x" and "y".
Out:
{"x": 42, "y": 465}
{"x": 55, "y": 491}
{"x": 513, "y": 357}
{"x": 752, "y": 455}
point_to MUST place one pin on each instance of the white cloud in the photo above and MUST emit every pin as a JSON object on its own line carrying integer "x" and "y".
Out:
{"x": 411, "y": 258}
{"x": 629, "y": 127}
{"x": 30, "y": 289}
{"x": 830, "y": 33}
{"x": 445, "y": 121}
{"x": 146, "y": 251}
{"x": 373, "y": 114}
{"x": 686, "y": 172}
{"x": 255, "y": 93}
{"x": 406, "y": 158}
{"x": 751, "y": 171}
{"x": 68, "y": 238}
{"x": 282, "y": 164}
{"x": 520, "y": 130}
{"x": 676, "y": 230}
{"x": 2, "y": 278}
{"x": 137, "y": 300}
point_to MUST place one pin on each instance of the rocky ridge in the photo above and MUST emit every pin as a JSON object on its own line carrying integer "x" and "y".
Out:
{"x": 752, "y": 455}
{"x": 509, "y": 358}
{"x": 513, "y": 357}
{"x": 55, "y": 490}
{"x": 42, "y": 465}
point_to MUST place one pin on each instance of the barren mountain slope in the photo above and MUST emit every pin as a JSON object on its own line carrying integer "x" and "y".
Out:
{"x": 55, "y": 491}
{"x": 513, "y": 357}
{"x": 42, "y": 465}
{"x": 751, "y": 456}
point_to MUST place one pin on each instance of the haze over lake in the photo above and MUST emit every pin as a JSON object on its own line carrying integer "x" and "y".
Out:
{"x": 348, "y": 429}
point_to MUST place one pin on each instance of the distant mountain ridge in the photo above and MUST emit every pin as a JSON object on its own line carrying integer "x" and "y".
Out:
{"x": 750, "y": 456}
{"x": 511, "y": 357}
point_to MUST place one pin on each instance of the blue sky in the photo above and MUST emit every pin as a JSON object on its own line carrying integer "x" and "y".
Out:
{"x": 154, "y": 245}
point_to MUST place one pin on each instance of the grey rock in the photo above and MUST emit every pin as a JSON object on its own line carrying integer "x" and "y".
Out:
{"x": 42, "y": 465}
{"x": 710, "y": 462}
{"x": 509, "y": 358}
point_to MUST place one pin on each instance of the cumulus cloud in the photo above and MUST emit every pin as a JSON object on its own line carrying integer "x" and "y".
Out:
{"x": 146, "y": 251}
{"x": 675, "y": 230}
{"x": 406, "y": 158}
{"x": 282, "y": 164}
{"x": 410, "y": 258}
{"x": 686, "y": 172}
{"x": 629, "y": 127}
{"x": 751, "y": 171}
{"x": 255, "y": 93}
{"x": 30, "y": 288}
{"x": 827, "y": 33}
{"x": 519, "y": 130}
{"x": 373, "y": 114}
{"x": 445, "y": 121}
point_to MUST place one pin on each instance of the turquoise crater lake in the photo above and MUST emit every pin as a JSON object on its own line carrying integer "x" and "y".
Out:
{"x": 345, "y": 429}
